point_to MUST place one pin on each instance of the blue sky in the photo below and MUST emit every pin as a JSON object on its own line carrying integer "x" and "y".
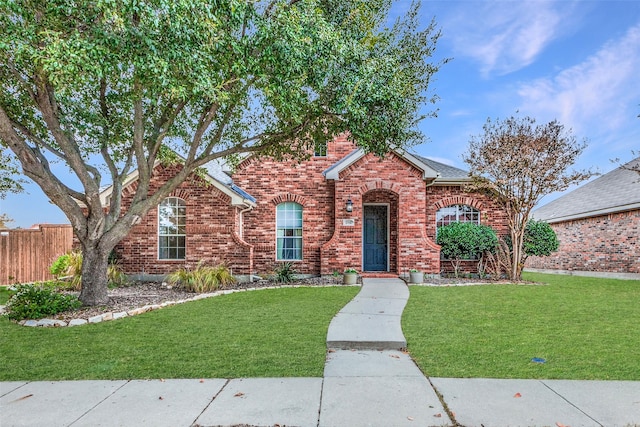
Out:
{"x": 574, "y": 61}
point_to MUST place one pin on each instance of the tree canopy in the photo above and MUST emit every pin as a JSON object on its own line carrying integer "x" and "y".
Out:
{"x": 518, "y": 162}
{"x": 112, "y": 86}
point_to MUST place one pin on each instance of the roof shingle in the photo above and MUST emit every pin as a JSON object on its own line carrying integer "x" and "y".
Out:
{"x": 616, "y": 191}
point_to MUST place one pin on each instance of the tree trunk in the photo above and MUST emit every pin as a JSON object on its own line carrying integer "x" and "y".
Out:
{"x": 516, "y": 266}
{"x": 94, "y": 275}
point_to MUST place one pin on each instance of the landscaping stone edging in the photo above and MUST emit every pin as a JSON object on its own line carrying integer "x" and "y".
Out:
{"x": 104, "y": 317}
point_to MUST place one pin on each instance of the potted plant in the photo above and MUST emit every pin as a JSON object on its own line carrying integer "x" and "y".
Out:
{"x": 416, "y": 276}
{"x": 350, "y": 276}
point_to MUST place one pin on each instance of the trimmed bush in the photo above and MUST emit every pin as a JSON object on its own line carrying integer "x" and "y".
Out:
{"x": 539, "y": 239}
{"x": 465, "y": 240}
{"x": 36, "y": 302}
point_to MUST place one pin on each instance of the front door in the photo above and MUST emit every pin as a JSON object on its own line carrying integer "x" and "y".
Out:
{"x": 374, "y": 243}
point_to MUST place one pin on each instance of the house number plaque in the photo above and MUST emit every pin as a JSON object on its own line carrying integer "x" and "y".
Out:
{"x": 350, "y": 222}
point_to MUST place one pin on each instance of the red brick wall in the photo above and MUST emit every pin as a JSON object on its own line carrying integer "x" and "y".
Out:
{"x": 329, "y": 244}
{"x": 607, "y": 243}
{"x": 272, "y": 182}
{"x": 211, "y": 231}
{"x": 490, "y": 214}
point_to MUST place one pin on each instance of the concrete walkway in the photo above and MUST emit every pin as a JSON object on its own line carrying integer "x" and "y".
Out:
{"x": 368, "y": 381}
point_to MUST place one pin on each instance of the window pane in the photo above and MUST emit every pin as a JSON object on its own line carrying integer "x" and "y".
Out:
{"x": 172, "y": 221}
{"x": 289, "y": 231}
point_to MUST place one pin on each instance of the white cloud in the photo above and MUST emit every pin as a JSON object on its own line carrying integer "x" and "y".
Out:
{"x": 604, "y": 89}
{"x": 506, "y": 36}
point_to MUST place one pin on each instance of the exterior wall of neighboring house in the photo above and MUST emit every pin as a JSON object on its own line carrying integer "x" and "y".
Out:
{"x": 211, "y": 231}
{"x": 601, "y": 244}
{"x": 598, "y": 227}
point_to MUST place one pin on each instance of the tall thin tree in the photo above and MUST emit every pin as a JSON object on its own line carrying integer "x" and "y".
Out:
{"x": 517, "y": 163}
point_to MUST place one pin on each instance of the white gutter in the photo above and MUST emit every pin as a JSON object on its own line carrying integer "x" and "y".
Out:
{"x": 599, "y": 212}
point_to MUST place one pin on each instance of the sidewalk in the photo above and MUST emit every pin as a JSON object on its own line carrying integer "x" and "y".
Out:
{"x": 368, "y": 381}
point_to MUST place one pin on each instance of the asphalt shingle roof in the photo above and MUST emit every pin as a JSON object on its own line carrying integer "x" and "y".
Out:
{"x": 616, "y": 191}
{"x": 445, "y": 171}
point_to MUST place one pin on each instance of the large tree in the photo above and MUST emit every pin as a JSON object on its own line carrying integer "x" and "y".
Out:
{"x": 517, "y": 163}
{"x": 110, "y": 86}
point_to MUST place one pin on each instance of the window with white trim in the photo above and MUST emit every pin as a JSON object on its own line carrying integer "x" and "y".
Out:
{"x": 457, "y": 213}
{"x": 320, "y": 149}
{"x": 289, "y": 231}
{"x": 172, "y": 233}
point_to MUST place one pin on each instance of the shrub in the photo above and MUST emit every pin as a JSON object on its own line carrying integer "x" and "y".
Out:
{"x": 284, "y": 273}
{"x": 350, "y": 270}
{"x": 60, "y": 266}
{"x": 36, "y": 302}
{"x": 539, "y": 239}
{"x": 202, "y": 279}
{"x": 465, "y": 240}
{"x": 69, "y": 267}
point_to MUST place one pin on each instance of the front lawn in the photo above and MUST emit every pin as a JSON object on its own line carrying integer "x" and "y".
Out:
{"x": 4, "y": 294}
{"x": 584, "y": 328}
{"x": 266, "y": 333}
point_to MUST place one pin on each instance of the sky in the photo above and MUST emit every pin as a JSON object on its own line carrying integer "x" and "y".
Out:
{"x": 577, "y": 62}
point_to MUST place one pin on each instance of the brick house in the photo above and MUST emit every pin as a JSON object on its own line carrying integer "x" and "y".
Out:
{"x": 340, "y": 208}
{"x": 598, "y": 226}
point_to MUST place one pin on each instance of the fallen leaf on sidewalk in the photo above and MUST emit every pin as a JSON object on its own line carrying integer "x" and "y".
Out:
{"x": 395, "y": 356}
{"x": 238, "y": 394}
{"x": 331, "y": 350}
{"x": 161, "y": 380}
{"x": 201, "y": 381}
{"x": 517, "y": 395}
{"x": 161, "y": 398}
{"x": 410, "y": 418}
{"x": 438, "y": 415}
{"x": 23, "y": 398}
{"x": 561, "y": 425}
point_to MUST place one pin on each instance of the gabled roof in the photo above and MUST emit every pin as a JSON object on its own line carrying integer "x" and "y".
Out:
{"x": 215, "y": 176}
{"x": 439, "y": 172}
{"x": 447, "y": 173}
{"x": 616, "y": 191}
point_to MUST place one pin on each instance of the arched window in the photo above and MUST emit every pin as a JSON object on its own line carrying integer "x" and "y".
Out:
{"x": 289, "y": 232}
{"x": 172, "y": 233}
{"x": 457, "y": 213}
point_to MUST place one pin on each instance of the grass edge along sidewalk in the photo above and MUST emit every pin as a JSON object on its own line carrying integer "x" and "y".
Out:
{"x": 575, "y": 327}
{"x": 266, "y": 333}
{"x": 582, "y": 327}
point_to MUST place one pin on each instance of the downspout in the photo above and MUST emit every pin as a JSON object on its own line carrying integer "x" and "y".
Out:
{"x": 241, "y": 228}
{"x": 241, "y": 218}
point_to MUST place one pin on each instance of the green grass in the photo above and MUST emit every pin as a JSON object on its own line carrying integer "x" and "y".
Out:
{"x": 585, "y": 328}
{"x": 4, "y": 295}
{"x": 267, "y": 333}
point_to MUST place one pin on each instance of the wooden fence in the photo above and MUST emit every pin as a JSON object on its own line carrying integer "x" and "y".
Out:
{"x": 26, "y": 254}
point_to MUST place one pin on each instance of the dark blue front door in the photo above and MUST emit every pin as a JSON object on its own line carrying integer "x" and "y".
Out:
{"x": 374, "y": 242}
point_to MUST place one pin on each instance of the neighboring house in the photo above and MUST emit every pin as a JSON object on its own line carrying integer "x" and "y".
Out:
{"x": 340, "y": 208}
{"x": 598, "y": 226}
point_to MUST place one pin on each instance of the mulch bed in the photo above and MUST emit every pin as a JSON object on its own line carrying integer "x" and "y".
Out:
{"x": 126, "y": 298}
